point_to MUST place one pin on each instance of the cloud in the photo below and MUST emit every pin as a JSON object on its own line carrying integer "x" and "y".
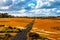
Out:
{"x": 5, "y": 2}
{"x": 16, "y": 5}
{"x": 7, "y": 7}
{"x": 31, "y": 7}
{"x": 54, "y": 4}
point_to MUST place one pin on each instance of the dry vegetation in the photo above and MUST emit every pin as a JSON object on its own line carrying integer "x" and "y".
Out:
{"x": 47, "y": 27}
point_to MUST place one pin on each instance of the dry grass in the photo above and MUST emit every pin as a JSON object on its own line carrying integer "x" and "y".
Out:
{"x": 41, "y": 26}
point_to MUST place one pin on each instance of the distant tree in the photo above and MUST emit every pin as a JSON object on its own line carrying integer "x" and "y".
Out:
{"x": 0, "y": 15}
{"x": 5, "y": 15}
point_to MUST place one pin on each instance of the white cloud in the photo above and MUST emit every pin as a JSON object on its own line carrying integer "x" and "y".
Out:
{"x": 41, "y": 11}
{"x": 22, "y": 0}
{"x": 5, "y": 7}
{"x": 24, "y": 14}
{"x": 15, "y": 1}
{"x": 39, "y": 3}
{"x": 52, "y": 0}
{"x": 44, "y": 12}
{"x": 32, "y": 5}
{"x": 4, "y": 0}
{"x": 54, "y": 9}
{"x": 47, "y": 3}
{"x": 58, "y": 11}
{"x": 22, "y": 11}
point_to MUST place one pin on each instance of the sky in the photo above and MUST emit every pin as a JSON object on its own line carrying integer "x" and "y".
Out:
{"x": 30, "y": 7}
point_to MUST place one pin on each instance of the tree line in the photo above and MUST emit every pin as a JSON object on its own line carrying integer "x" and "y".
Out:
{"x": 5, "y": 15}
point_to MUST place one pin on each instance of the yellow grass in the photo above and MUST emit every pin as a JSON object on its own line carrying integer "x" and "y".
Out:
{"x": 41, "y": 26}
